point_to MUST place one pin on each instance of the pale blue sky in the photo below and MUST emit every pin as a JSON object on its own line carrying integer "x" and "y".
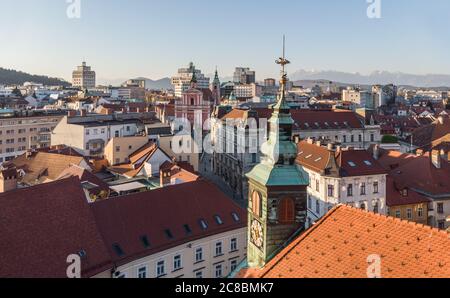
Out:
{"x": 152, "y": 38}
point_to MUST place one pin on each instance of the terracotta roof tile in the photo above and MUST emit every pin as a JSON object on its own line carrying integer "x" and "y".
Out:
{"x": 339, "y": 245}
{"x": 42, "y": 225}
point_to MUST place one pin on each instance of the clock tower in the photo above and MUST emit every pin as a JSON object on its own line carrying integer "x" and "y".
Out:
{"x": 277, "y": 186}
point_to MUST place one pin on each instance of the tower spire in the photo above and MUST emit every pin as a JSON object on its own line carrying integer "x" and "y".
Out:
{"x": 281, "y": 103}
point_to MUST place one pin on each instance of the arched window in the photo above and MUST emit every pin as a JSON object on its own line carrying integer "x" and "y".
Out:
{"x": 192, "y": 101}
{"x": 286, "y": 211}
{"x": 257, "y": 204}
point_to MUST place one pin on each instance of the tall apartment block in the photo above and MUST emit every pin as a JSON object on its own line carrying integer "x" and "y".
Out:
{"x": 83, "y": 77}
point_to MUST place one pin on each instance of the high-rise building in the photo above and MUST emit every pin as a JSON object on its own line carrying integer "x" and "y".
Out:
{"x": 269, "y": 82}
{"x": 182, "y": 81}
{"x": 243, "y": 75}
{"x": 83, "y": 77}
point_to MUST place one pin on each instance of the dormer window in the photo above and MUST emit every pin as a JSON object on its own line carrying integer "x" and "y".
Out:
{"x": 405, "y": 192}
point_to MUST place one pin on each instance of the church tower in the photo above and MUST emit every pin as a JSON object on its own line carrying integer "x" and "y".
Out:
{"x": 215, "y": 88}
{"x": 277, "y": 186}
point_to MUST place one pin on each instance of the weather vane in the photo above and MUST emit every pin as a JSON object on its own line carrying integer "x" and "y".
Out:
{"x": 282, "y": 60}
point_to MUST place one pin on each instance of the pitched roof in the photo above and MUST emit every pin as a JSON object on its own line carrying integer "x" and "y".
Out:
{"x": 42, "y": 225}
{"x": 403, "y": 168}
{"x": 97, "y": 185}
{"x": 346, "y": 162}
{"x": 137, "y": 160}
{"x": 394, "y": 196}
{"x": 339, "y": 245}
{"x": 425, "y": 136}
{"x": 44, "y": 166}
{"x": 335, "y": 119}
{"x": 124, "y": 221}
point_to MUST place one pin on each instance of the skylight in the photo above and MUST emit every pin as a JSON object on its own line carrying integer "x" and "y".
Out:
{"x": 309, "y": 156}
{"x": 218, "y": 220}
{"x": 319, "y": 159}
{"x": 203, "y": 224}
{"x": 187, "y": 229}
{"x": 352, "y": 164}
{"x": 169, "y": 234}
{"x": 368, "y": 163}
{"x": 118, "y": 250}
{"x": 235, "y": 216}
{"x": 145, "y": 241}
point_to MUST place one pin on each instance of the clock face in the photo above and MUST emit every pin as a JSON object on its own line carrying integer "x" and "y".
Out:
{"x": 257, "y": 234}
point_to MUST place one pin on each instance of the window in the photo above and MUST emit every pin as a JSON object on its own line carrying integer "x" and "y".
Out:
{"x": 440, "y": 208}
{"x": 233, "y": 265}
{"x": 219, "y": 248}
{"x": 363, "y": 189}
{"x": 360, "y": 138}
{"x": 218, "y": 271}
{"x": 169, "y": 234}
{"x": 376, "y": 208}
{"x": 187, "y": 229}
{"x": 317, "y": 185}
{"x": 350, "y": 190}
{"x": 203, "y": 224}
{"x": 233, "y": 244}
{"x": 372, "y": 137}
{"x": 345, "y": 139}
{"x": 142, "y": 272}
{"x": 409, "y": 213}
{"x": 177, "y": 262}
{"x": 398, "y": 214}
{"x": 199, "y": 274}
{"x": 441, "y": 224}
{"x": 330, "y": 190}
{"x": 286, "y": 211}
{"x": 218, "y": 220}
{"x": 352, "y": 138}
{"x": 375, "y": 187}
{"x": 318, "y": 207}
{"x": 420, "y": 212}
{"x": 363, "y": 206}
{"x": 145, "y": 242}
{"x": 117, "y": 148}
{"x": 309, "y": 202}
{"x": 235, "y": 216}
{"x": 87, "y": 132}
{"x": 198, "y": 254}
{"x": 116, "y": 134}
{"x": 257, "y": 204}
{"x": 160, "y": 269}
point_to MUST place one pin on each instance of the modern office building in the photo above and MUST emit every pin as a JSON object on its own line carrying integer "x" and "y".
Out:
{"x": 182, "y": 80}
{"x": 243, "y": 75}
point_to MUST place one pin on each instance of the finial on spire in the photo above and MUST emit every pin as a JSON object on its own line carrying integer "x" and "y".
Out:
{"x": 283, "y": 62}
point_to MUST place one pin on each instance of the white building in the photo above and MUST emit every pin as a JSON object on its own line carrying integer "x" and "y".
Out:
{"x": 248, "y": 91}
{"x": 182, "y": 81}
{"x": 89, "y": 134}
{"x": 341, "y": 176}
{"x": 359, "y": 97}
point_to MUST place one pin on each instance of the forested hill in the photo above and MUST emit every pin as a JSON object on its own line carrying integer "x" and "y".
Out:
{"x": 13, "y": 77}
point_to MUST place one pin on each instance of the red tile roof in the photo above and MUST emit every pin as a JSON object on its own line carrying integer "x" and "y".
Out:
{"x": 42, "y": 225}
{"x": 346, "y": 162}
{"x": 125, "y": 220}
{"x": 336, "y": 119}
{"x": 395, "y": 197}
{"x": 339, "y": 245}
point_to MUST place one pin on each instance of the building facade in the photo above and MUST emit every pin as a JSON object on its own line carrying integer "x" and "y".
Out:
{"x": 341, "y": 176}
{"x": 22, "y": 131}
{"x": 83, "y": 77}
{"x": 182, "y": 80}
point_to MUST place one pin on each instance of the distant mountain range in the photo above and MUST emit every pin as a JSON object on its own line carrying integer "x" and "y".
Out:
{"x": 376, "y": 77}
{"x": 163, "y": 83}
{"x": 13, "y": 77}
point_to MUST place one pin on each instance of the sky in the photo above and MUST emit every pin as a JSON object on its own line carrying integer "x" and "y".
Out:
{"x": 123, "y": 39}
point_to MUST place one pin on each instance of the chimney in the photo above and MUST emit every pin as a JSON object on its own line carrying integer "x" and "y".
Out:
{"x": 318, "y": 143}
{"x": 164, "y": 177}
{"x": 436, "y": 159}
{"x": 138, "y": 110}
{"x": 376, "y": 152}
{"x": 8, "y": 180}
{"x": 71, "y": 113}
{"x": 310, "y": 141}
{"x": 441, "y": 120}
{"x": 330, "y": 146}
{"x": 297, "y": 139}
